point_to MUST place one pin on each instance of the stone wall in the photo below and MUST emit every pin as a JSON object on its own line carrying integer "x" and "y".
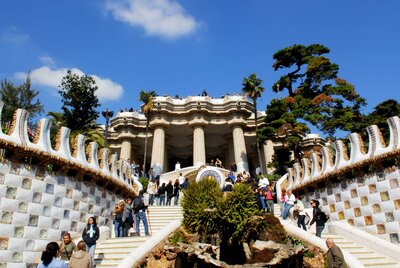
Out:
{"x": 360, "y": 188}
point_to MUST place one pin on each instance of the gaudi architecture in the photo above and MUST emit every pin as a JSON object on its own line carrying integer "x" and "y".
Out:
{"x": 192, "y": 131}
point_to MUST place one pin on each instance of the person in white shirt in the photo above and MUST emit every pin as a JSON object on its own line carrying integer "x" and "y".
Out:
{"x": 289, "y": 204}
{"x": 301, "y": 217}
{"x": 181, "y": 179}
{"x": 263, "y": 183}
{"x": 151, "y": 190}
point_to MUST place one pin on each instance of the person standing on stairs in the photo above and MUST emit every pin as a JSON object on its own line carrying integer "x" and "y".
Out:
{"x": 301, "y": 215}
{"x": 140, "y": 207}
{"x": 177, "y": 189}
{"x": 169, "y": 189}
{"x": 334, "y": 256}
{"x": 319, "y": 217}
{"x": 90, "y": 235}
{"x": 118, "y": 218}
{"x": 127, "y": 217}
{"x": 81, "y": 259}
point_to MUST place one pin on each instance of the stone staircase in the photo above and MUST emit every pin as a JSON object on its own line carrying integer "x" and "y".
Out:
{"x": 367, "y": 256}
{"x": 110, "y": 252}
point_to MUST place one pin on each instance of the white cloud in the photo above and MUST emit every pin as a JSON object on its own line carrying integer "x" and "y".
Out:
{"x": 107, "y": 89}
{"x": 165, "y": 18}
{"x": 46, "y": 60}
{"x": 14, "y": 35}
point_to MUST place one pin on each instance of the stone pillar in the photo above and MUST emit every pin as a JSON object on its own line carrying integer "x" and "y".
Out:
{"x": 199, "y": 147}
{"x": 240, "y": 149}
{"x": 126, "y": 149}
{"x": 158, "y": 151}
{"x": 268, "y": 148}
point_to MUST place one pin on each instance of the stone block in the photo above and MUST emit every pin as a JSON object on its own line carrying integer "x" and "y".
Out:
{"x": 97, "y": 210}
{"x": 57, "y": 213}
{"x": 363, "y": 190}
{"x": 349, "y": 213}
{"x": 35, "y": 209}
{"x": 33, "y": 220}
{"x": 20, "y": 218}
{"x": 77, "y": 195}
{"x": 65, "y": 225}
{"x": 394, "y": 193}
{"x": 17, "y": 244}
{"x": 19, "y": 231}
{"x": 67, "y": 203}
{"x": 6, "y": 230}
{"x": 28, "y": 256}
{"x": 5, "y": 256}
{"x": 30, "y": 245}
{"x": 396, "y": 215}
{"x": 54, "y": 235}
{"x": 38, "y": 186}
{"x": 31, "y": 232}
{"x": 40, "y": 245}
{"x": 83, "y": 206}
{"x": 13, "y": 180}
{"x": 383, "y": 186}
{"x": 75, "y": 215}
{"x": 379, "y": 218}
{"x": 48, "y": 199}
{"x": 393, "y": 175}
{"x": 355, "y": 202}
{"x": 339, "y": 206}
{"x": 50, "y": 178}
{"x": 24, "y": 195}
{"x": 374, "y": 198}
{"x": 3, "y": 190}
{"x": 371, "y": 179}
{"x": 371, "y": 229}
{"x": 11, "y": 192}
{"x": 45, "y": 222}
{"x": 7, "y": 204}
{"x": 392, "y": 227}
{"x": 81, "y": 226}
{"x": 387, "y": 206}
{"x": 345, "y": 195}
{"x": 359, "y": 222}
{"x": 58, "y": 202}
{"x": 331, "y": 199}
{"x": 60, "y": 190}
{"x": 46, "y": 211}
{"x": 69, "y": 182}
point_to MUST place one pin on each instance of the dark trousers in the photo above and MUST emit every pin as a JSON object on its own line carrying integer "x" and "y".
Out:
{"x": 301, "y": 222}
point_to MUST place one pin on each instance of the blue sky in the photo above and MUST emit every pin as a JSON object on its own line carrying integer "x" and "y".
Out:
{"x": 181, "y": 47}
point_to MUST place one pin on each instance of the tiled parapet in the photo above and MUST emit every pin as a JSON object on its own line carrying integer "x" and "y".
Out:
{"x": 29, "y": 219}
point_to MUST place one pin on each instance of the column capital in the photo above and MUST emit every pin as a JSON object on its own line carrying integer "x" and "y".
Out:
{"x": 159, "y": 122}
{"x": 198, "y": 122}
{"x": 235, "y": 122}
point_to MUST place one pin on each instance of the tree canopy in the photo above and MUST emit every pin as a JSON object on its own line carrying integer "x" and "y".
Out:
{"x": 79, "y": 101}
{"x": 19, "y": 97}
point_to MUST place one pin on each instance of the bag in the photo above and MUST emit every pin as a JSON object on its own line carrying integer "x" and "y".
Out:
{"x": 323, "y": 217}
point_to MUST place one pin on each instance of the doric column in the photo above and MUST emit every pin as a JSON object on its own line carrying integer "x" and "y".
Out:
{"x": 199, "y": 147}
{"x": 126, "y": 149}
{"x": 240, "y": 149}
{"x": 157, "y": 153}
{"x": 268, "y": 148}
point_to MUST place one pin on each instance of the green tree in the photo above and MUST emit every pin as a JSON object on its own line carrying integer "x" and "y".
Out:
{"x": 146, "y": 97}
{"x": 253, "y": 89}
{"x": 79, "y": 101}
{"x": 381, "y": 113}
{"x": 19, "y": 97}
{"x": 317, "y": 95}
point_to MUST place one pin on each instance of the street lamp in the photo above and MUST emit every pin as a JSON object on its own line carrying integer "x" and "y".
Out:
{"x": 107, "y": 115}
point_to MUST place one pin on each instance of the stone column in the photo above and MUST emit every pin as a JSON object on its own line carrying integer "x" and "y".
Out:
{"x": 240, "y": 149}
{"x": 126, "y": 149}
{"x": 157, "y": 153}
{"x": 199, "y": 148}
{"x": 268, "y": 148}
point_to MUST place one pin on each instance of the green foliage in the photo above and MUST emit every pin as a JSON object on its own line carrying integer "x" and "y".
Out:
{"x": 79, "y": 101}
{"x": 293, "y": 241}
{"x": 236, "y": 210}
{"x": 177, "y": 237}
{"x": 309, "y": 254}
{"x": 200, "y": 207}
{"x": 272, "y": 229}
{"x": 19, "y": 97}
{"x": 381, "y": 113}
{"x": 144, "y": 182}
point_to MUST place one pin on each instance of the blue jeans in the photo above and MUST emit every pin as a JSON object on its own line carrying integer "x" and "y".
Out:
{"x": 176, "y": 198}
{"x": 301, "y": 222}
{"x": 91, "y": 250}
{"x": 286, "y": 210}
{"x": 151, "y": 199}
{"x": 162, "y": 200}
{"x": 270, "y": 206}
{"x": 141, "y": 216}
{"x": 118, "y": 228}
{"x": 319, "y": 230}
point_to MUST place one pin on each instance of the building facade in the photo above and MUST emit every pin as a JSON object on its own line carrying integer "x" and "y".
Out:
{"x": 191, "y": 131}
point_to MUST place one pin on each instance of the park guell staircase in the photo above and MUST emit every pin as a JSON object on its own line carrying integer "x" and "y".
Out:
{"x": 110, "y": 252}
{"x": 366, "y": 255}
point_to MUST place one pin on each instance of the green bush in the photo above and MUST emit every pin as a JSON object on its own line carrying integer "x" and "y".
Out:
{"x": 144, "y": 182}
{"x": 177, "y": 237}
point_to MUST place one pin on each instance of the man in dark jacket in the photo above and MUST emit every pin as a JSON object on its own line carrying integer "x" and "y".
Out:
{"x": 334, "y": 256}
{"x": 140, "y": 207}
{"x": 169, "y": 190}
{"x": 319, "y": 217}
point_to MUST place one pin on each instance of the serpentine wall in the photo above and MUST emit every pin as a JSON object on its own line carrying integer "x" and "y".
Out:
{"x": 362, "y": 188}
{"x": 47, "y": 190}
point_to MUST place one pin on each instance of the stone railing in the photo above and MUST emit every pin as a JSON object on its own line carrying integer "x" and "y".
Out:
{"x": 361, "y": 188}
{"x": 47, "y": 190}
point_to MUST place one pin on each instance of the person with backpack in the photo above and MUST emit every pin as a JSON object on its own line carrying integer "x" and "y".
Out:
{"x": 140, "y": 207}
{"x": 319, "y": 217}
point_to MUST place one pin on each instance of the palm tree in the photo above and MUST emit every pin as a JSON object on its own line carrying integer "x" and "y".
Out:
{"x": 253, "y": 89}
{"x": 147, "y": 98}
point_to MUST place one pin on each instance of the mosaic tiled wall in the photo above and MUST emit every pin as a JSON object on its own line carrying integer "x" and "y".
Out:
{"x": 37, "y": 206}
{"x": 371, "y": 203}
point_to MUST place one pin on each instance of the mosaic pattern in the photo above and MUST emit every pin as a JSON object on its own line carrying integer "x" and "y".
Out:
{"x": 38, "y": 207}
{"x": 373, "y": 205}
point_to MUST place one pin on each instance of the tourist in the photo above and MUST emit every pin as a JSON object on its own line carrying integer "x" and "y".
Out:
{"x": 284, "y": 197}
{"x": 151, "y": 174}
{"x": 81, "y": 259}
{"x": 152, "y": 190}
{"x": 169, "y": 189}
{"x": 263, "y": 182}
{"x": 232, "y": 177}
{"x": 245, "y": 176}
{"x": 50, "y": 255}
{"x": 140, "y": 206}
{"x": 334, "y": 256}
{"x": 118, "y": 221}
{"x": 161, "y": 195}
{"x": 301, "y": 214}
{"x": 212, "y": 163}
{"x": 269, "y": 200}
{"x": 233, "y": 167}
{"x": 218, "y": 163}
{"x": 127, "y": 217}
{"x": 67, "y": 247}
{"x": 176, "y": 191}
{"x": 228, "y": 186}
{"x": 319, "y": 218}
{"x": 288, "y": 204}
{"x": 181, "y": 179}
{"x": 90, "y": 235}
{"x": 261, "y": 199}
{"x": 185, "y": 184}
